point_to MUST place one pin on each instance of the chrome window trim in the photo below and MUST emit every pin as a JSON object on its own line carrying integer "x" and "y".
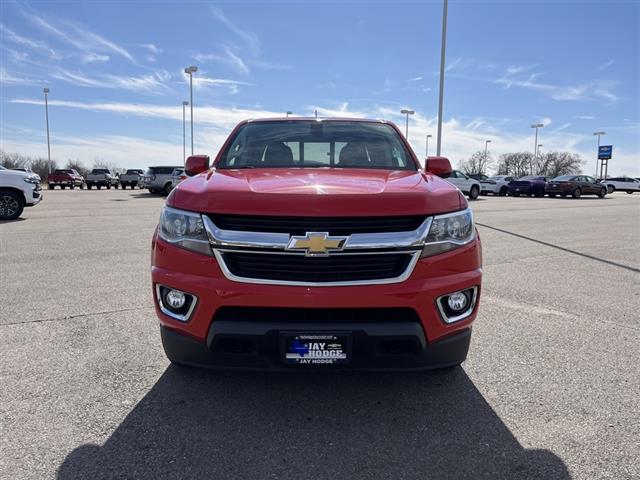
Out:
{"x": 466, "y": 314}
{"x": 415, "y": 256}
{"x": 182, "y": 318}
{"x": 232, "y": 238}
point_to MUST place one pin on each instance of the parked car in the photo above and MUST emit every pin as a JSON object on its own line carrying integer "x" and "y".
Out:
{"x": 478, "y": 176}
{"x": 298, "y": 253}
{"x": 575, "y": 185}
{"x": 65, "y": 177}
{"x": 498, "y": 185}
{"x": 528, "y": 185}
{"x": 177, "y": 176}
{"x": 17, "y": 190}
{"x": 159, "y": 179}
{"x": 131, "y": 178}
{"x": 468, "y": 186}
{"x": 624, "y": 184}
{"x": 101, "y": 177}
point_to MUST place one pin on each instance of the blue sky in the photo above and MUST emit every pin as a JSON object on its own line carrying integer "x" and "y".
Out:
{"x": 115, "y": 73}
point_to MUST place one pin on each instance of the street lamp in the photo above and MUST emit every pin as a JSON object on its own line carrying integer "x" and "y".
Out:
{"x": 486, "y": 142}
{"x": 184, "y": 132}
{"x": 406, "y": 112}
{"x": 535, "y": 145}
{"x": 46, "y": 113}
{"x": 289, "y": 113}
{"x": 598, "y": 134}
{"x": 443, "y": 47}
{"x": 428, "y": 137}
{"x": 190, "y": 71}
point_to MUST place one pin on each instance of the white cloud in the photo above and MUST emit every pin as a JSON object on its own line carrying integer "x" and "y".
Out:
{"x": 249, "y": 38}
{"x": 95, "y": 58}
{"x": 150, "y": 83}
{"x": 80, "y": 38}
{"x": 606, "y": 65}
{"x": 26, "y": 42}
{"x": 9, "y": 78}
{"x": 585, "y": 117}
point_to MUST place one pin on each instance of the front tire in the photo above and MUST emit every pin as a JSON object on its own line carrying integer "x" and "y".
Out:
{"x": 473, "y": 194}
{"x": 11, "y": 205}
{"x": 503, "y": 192}
{"x": 629, "y": 192}
{"x": 602, "y": 193}
{"x": 50, "y": 187}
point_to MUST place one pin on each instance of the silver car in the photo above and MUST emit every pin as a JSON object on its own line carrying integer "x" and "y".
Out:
{"x": 159, "y": 179}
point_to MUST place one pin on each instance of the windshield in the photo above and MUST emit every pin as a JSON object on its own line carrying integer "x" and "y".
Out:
{"x": 316, "y": 144}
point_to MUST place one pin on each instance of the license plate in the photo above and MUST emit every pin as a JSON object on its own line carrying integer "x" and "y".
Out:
{"x": 316, "y": 348}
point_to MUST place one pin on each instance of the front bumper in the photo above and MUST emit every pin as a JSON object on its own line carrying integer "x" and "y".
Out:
{"x": 260, "y": 346}
{"x": 33, "y": 196}
{"x": 201, "y": 276}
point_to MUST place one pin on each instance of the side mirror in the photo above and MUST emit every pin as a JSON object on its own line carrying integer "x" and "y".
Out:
{"x": 196, "y": 164}
{"x": 439, "y": 166}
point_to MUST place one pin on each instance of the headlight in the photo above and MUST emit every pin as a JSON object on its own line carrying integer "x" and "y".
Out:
{"x": 448, "y": 232}
{"x": 184, "y": 229}
{"x": 33, "y": 180}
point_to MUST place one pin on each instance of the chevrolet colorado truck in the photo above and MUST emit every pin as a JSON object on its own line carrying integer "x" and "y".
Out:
{"x": 316, "y": 244}
{"x": 64, "y": 178}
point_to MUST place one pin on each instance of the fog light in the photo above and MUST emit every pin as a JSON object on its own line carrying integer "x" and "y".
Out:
{"x": 175, "y": 299}
{"x": 457, "y": 301}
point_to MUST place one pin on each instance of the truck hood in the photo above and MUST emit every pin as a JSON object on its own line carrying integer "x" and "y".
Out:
{"x": 317, "y": 192}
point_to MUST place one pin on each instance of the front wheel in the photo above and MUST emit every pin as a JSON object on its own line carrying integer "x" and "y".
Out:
{"x": 50, "y": 187}
{"x": 503, "y": 192}
{"x": 99, "y": 187}
{"x": 475, "y": 191}
{"x": 602, "y": 193}
{"x": 629, "y": 192}
{"x": 168, "y": 187}
{"x": 576, "y": 193}
{"x": 109, "y": 186}
{"x": 11, "y": 205}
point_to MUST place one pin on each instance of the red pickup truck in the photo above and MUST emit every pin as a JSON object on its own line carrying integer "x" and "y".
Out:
{"x": 316, "y": 244}
{"x": 64, "y": 178}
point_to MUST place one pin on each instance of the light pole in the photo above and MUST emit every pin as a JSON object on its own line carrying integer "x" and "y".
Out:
{"x": 535, "y": 146}
{"x": 598, "y": 150}
{"x": 428, "y": 137}
{"x": 46, "y": 114}
{"x": 486, "y": 142}
{"x": 190, "y": 71}
{"x": 184, "y": 132}
{"x": 289, "y": 113}
{"x": 406, "y": 112}
{"x": 443, "y": 47}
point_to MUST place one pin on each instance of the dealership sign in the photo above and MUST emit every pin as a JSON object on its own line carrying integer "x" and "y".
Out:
{"x": 604, "y": 152}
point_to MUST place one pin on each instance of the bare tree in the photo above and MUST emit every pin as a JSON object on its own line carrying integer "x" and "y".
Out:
{"x": 552, "y": 164}
{"x": 41, "y": 166}
{"x": 13, "y": 160}
{"x": 477, "y": 164}
{"x": 515, "y": 164}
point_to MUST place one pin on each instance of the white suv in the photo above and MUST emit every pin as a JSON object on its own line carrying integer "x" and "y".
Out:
{"x": 624, "y": 184}
{"x": 17, "y": 190}
{"x": 467, "y": 185}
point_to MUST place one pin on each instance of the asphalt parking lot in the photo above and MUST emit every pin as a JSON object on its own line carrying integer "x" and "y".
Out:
{"x": 550, "y": 388}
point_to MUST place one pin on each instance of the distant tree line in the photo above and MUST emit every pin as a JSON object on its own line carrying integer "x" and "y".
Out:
{"x": 518, "y": 164}
{"x": 40, "y": 165}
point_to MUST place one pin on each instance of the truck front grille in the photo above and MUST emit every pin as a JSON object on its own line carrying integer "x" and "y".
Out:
{"x": 325, "y": 269}
{"x": 332, "y": 225}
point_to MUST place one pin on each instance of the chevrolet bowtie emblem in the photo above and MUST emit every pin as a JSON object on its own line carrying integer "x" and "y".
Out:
{"x": 316, "y": 243}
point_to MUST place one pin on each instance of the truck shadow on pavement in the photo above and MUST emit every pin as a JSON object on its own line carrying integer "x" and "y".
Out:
{"x": 198, "y": 424}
